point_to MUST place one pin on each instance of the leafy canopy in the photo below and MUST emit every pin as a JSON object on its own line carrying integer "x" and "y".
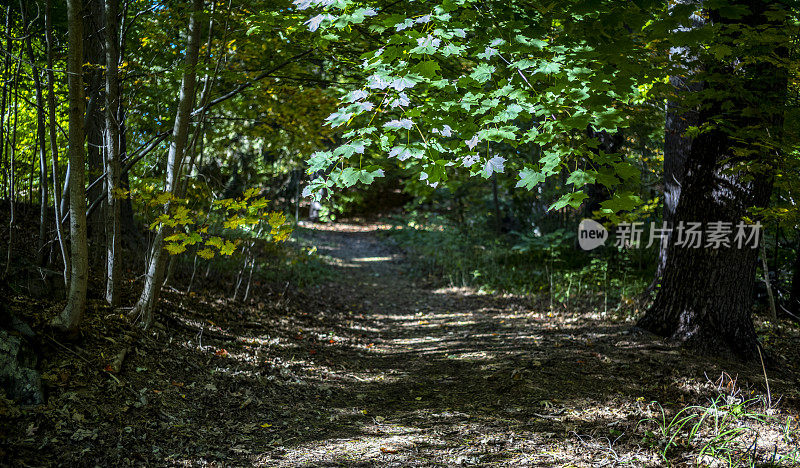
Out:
{"x": 454, "y": 81}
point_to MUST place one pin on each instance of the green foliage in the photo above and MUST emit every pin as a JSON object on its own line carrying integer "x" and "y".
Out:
{"x": 725, "y": 430}
{"x": 542, "y": 264}
{"x": 229, "y": 220}
{"x": 455, "y": 83}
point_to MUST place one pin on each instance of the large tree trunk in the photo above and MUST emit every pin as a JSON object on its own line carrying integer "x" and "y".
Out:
{"x": 679, "y": 117}
{"x": 155, "y": 272}
{"x": 706, "y": 294}
{"x": 112, "y": 153}
{"x": 51, "y": 109}
{"x": 70, "y": 317}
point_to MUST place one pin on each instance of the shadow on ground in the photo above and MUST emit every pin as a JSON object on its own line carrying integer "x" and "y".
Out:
{"x": 375, "y": 369}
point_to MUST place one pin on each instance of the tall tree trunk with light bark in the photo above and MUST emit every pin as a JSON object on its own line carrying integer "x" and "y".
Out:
{"x": 112, "y": 153}
{"x": 71, "y": 316}
{"x": 143, "y": 310}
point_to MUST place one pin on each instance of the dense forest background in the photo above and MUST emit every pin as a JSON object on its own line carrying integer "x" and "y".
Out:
{"x": 276, "y": 226}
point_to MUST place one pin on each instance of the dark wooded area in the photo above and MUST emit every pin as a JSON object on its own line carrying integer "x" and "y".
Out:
{"x": 397, "y": 233}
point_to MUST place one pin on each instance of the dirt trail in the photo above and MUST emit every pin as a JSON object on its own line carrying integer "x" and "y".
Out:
{"x": 370, "y": 369}
{"x": 450, "y": 377}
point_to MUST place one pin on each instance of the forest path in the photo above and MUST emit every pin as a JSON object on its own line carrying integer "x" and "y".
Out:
{"x": 414, "y": 375}
{"x": 369, "y": 368}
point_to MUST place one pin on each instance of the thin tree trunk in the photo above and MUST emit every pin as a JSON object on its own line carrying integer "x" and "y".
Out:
{"x": 51, "y": 104}
{"x": 794, "y": 295}
{"x": 4, "y": 131}
{"x": 65, "y": 192}
{"x": 240, "y": 276}
{"x": 94, "y": 60}
{"x": 498, "y": 220}
{"x": 31, "y": 175}
{"x": 12, "y": 176}
{"x": 41, "y": 134}
{"x": 112, "y": 153}
{"x": 765, "y": 268}
{"x": 155, "y": 272}
{"x": 71, "y": 316}
{"x": 127, "y": 222}
{"x": 249, "y": 277}
{"x": 205, "y": 95}
{"x": 194, "y": 271}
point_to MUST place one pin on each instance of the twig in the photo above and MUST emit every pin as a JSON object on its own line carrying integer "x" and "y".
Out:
{"x": 766, "y": 380}
{"x": 68, "y": 350}
{"x": 773, "y": 312}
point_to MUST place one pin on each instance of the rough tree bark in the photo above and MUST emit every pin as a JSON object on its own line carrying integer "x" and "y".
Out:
{"x": 679, "y": 117}
{"x": 112, "y": 153}
{"x": 70, "y": 317}
{"x": 143, "y": 310}
{"x": 706, "y": 294}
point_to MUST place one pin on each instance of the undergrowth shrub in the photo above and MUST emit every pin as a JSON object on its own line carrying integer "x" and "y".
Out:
{"x": 549, "y": 265}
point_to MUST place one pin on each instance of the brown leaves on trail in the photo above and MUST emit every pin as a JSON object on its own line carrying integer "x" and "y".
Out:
{"x": 222, "y": 352}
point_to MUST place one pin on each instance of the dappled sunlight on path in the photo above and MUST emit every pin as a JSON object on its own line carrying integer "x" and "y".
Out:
{"x": 447, "y": 376}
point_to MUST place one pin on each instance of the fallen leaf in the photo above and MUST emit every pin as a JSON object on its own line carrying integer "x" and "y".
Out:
{"x": 388, "y": 450}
